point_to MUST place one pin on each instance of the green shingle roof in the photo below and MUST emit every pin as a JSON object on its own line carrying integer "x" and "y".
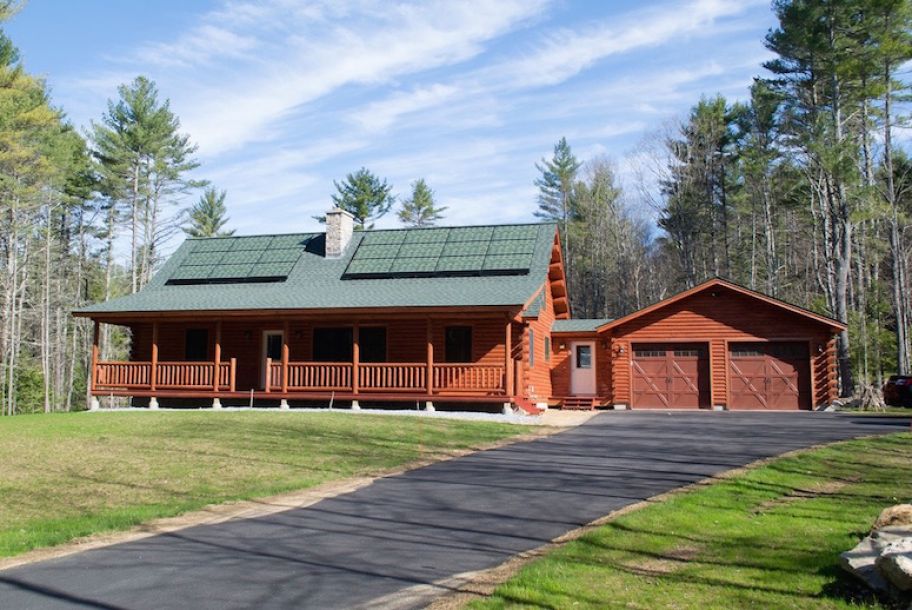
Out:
{"x": 580, "y": 325}
{"x": 316, "y": 282}
{"x": 535, "y": 306}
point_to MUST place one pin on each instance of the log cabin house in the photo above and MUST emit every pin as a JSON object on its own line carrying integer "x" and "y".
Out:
{"x": 475, "y": 314}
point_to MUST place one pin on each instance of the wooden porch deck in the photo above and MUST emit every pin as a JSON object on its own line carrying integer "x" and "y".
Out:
{"x": 487, "y": 380}
{"x": 381, "y": 381}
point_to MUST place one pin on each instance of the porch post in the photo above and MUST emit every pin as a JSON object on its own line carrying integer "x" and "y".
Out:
{"x": 508, "y": 358}
{"x": 153, "y": 374}
{"x": 430, "y": 357}
{"x": 217, "y": 355}
{"x": 93, "y": 400}
{"x": 286, "y": 328}
{"x": 356, "y": 356}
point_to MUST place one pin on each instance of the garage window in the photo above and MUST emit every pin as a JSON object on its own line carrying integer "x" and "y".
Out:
{"x": 649, "y": 353}
{"x": 688, "y": 353}
{"x": 741, "y": 351}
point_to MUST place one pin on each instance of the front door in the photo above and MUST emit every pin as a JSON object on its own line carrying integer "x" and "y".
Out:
{"x": 272, "y": 348}
{"x": 582, "y": 368}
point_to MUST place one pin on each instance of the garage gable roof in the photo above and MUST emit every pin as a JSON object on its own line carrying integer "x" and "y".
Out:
{"x": 722, "y": 283}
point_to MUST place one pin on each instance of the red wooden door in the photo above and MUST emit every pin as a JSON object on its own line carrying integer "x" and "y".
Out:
{"x": 670, "y": 376}
{"x": 769, "y": 375}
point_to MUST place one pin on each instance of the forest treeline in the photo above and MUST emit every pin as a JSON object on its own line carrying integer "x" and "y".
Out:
{"x": 803, "y": 191}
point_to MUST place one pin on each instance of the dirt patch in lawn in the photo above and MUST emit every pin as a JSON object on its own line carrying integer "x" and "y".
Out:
{"x": 823, "y": 488}
{"x": 671, "y": 561}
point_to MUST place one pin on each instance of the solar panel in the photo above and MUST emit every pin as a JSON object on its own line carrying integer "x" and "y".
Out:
{"x": 444, "y": 252}
{"x": 240, "y": 259}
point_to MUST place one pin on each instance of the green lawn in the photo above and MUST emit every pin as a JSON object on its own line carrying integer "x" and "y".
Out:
{"x": 63, "y": 476}
{"x": 769, "y": 538}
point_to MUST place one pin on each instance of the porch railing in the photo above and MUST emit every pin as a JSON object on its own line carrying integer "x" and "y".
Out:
{"x": 469, "y": 378}
{"x": 312, "y": 376}
{"x": 123, "y": 374}
{"x": 390, "y": 376}
{"x": 166, "y": 375}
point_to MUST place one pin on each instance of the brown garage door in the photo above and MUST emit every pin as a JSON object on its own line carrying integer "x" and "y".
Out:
{"x": 769, "y": 376}
{"x": 670, "y": 376}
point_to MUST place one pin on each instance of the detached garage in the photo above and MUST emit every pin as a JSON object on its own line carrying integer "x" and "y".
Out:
{"x": 718, "y": 345}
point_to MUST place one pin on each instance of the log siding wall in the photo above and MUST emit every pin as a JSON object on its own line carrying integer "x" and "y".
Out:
{"x": 537, "y": 379}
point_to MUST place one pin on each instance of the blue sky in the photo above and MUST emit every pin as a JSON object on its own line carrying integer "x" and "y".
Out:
{"x": 283, "y": 97}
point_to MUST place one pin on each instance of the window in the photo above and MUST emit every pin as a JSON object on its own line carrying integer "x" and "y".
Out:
{"x": 274, "y": 342}
{"x": 531, "y": 348}
{"x": 688, "y": 353}
{"x": 372, "y": 344}
{"x": 196, "y": 345}
{"x": 332, "y": 344}
{"x": 458, "y": 343}
{"x": 547, "y": 349}
{"x": 584, "y": 356}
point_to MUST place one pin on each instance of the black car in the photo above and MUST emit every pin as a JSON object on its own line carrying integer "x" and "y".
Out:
{"x": 898, "y": 391}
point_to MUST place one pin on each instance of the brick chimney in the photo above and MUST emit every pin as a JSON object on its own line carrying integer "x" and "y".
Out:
{"x": 339, "y": 227}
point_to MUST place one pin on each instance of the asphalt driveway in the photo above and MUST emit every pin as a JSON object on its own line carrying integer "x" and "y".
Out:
{"x": 425, "y": 525}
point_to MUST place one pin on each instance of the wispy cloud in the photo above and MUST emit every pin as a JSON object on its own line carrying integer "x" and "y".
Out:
{"x": 307, "y": 57}
{"x": 377, "y": 116}
{"x": 200, "y": 46}
{"x": 569, "y": 51}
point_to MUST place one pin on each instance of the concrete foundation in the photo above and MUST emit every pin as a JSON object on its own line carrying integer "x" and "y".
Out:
{"x": 620, "y": 407}
{"x": 429, "y": 407}
{"x": 153, "y": 403}
{"x": 356, "y": 406}
{"x": 216, "y": 403}
{"x": 283, "y": 404}
{"x": 94, "y": 405}
{"x": 507, "y": 409}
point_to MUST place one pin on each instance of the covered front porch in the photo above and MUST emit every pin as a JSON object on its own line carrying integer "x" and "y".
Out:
{"x": 455, "y": 357}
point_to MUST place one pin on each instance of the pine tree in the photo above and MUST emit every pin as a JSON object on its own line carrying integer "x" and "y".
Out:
{"x": 142, "y": 160}
{"x": 420, "y": 209}
{"x": 363, "y": 195}
{"x": 815, "y": 63}
{"x": 697, "y": 208}
{"x": 555, "y": 197}
{"x": 208, "y": 216}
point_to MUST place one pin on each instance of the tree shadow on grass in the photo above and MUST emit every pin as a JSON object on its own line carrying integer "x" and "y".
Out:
{"x": 843, "y": 586}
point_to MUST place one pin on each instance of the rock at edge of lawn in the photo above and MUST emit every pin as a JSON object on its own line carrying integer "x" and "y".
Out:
{"x": 895, "y": 564}
{"x": 861, "y": 560}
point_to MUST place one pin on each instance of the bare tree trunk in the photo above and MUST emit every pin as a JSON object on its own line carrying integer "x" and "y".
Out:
{"x": 46, "y": 316}
{"x": 896, "y": 253}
